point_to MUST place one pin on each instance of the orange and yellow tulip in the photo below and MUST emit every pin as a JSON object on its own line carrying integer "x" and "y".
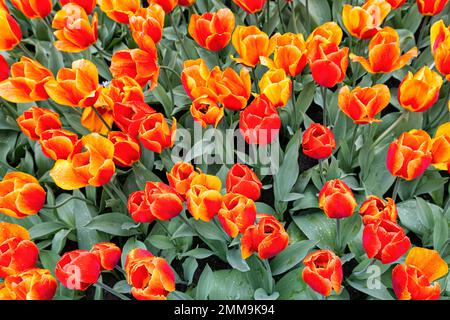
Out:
{"x": 108, "y": 254}
{"x": 431, "y": 7}
{"x": 236, "y": 214}
{"x": 167, "y": 5}
{"x": 129, "y": 116}
{"x": 17, "y": 255}
{"x": 180, "y": 177}
{"x": 205, "y": 180}
{"x": 363, "y": 22}
{"x": 276, "y": 87}
{"x": 440, "y": 149}
{"x": 212, "y": 30}
{"x": 194, "y": 77}
{"x": 73, "y": 30}
{"x": 119, "y": 11}
{"x": 163, "y": 201}
{"x": 336, "y": 199}
{"x": 87, "y": 5}
{"x": 155, "y": 134}
{"x": 206, "y": 111}
{"x": 12, "y": 230}
{"x": 58, "y": 144}
{"x": 328, "y": 32}
{"x": 34, "y": 9}
{"x": 203, "y": 203}
{"x": 147, "y": 25}
{"x": 385, "y": 53}
{"x": 440, "y": 47}
{"x": 242, "y": 180}
{"x": 35, "y": 121}
{"x": 91, "y": 121}
{"x": 11, "y": 33}
{"x": 127, "y": 149}
{"x": 363, "y": 104}
{"x": 318, "y": 141}
{"x": 375, "y": 208}
{"x": 251, "y": 6}
{"x": 33, "y": 284}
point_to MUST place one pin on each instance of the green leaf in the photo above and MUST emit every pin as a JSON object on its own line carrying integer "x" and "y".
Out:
{"x": 205, "y": 284}
{"x": 291, "y": 256}
{"x": 230, "y": 285}
{"x": 198, "y": 253}
{"x": 111, "y": 223}
{"x": 379, "y": 293}
{"x": 235, "y": 260}
{"x": 44, "y": 229}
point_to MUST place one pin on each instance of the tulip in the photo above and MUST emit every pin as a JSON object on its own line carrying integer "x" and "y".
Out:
{"x": 384, "y": 53}
{"x": 365, "y": 21}
{"x": 27, "y": 81}
{"x": 375, "y": 208}
{"x": 236, "y": 214}
{"x": 395, "y": 4}
{"x": 4, "y": 69}
{"x": 328, "y": 63}
{"x": 119, "y": 90}
{"x": 440, "y": 47}
{"x": 129, "y": 116}
{"x": 180, "y": 177}
{"x": 127, "y": 150}
{"x": 194, "y": 77}
{"x": 251, "y": 6}
{"x": 139, "y": 208}
{"x": 35, "y": 121}
{"x": 17, "y": 255}
{"x": 11, "y": 33}
{"x": 259, "y": 123}
{"x": 11, "y": 230}
{"x": 151, "y": 277}
{"x": 328, "y": 32}
{"x": 34, "y": 9}
{"x": 336, "y": 199}
{"x": 411, "y": 280}
{"x": 119, "y": 11}
{"x": 276, "y": 87}
{"x": 75, "y": 87}
{"x": 73, "y": 30}
{"x": 438, "y": 34}
{"x": 108, "y": 254}
{"x": 91, "y": 121}
{"x": 147, "y": 25}
{"x": 206, "y": 111}
{"x": 208, "y": 181}
{"x": 87, "y": 5}
{"x": 251, "y": 44}
{"x": 33, "y": 284}
{"x": 323, "y": 272}
{"x": 90, "y": 164}
{"x": 58, "y": 144}
{"x": 163, "y": 201}
{"x": 363, "y": 104}
{"x": 410, "y": 155}
{"x": 431, "y": 7}
{"x": 231, "y": 89}
{"x": 318, "y": 142}
{"x": 290, "y": 54}
{"x": 3, "y": 6}
{"x": 418, "y": 92}
{"x": 186, "y": 3}
{"x": 78, "y": 269}
{"x": 21, "y": 195}
{"x": 242, "y": 180}
{"x": 385, "y": 240}
{"x": 167, "y": 5}
{"x": 268, "y": 238}
{"x": 212, "y": 30}
{"x": 203, "y": 203}
{"x": 155, "y": 134}
{"x": 440, "y": 149}
{"x": 138, "y": 64}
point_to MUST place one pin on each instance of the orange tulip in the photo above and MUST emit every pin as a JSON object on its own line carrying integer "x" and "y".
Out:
{"x": 167, "y": 5}
{"x": 139, "y": 208}
{"x": 88, "y": 5}
{"x": 231, "y": 89}
{"x": 34, "y": 9}
{"x": 206, "y": 111}
{"x": 363, "y": 22}
{"x": 129, "y": 116}
{"x": 33, "y": 284}
{"x": 75, "y": 87}
{"x": 440, "y": 47}
{"x": 27, "y": 81}
{"x": 328, "y": 63}
{"x": 396, "y": 3}
{"x": 318, "y": 142}
{"x": 440, "y": 149}
{"x": 268, "y": 238}
{"x": 276, "y": 87}
{"x": 251, "y": 44}
{"x": 410, "y": 155}
{"x": 384, "y": 53}
{"x": 137, "y": 64}
{"x": 58, "y": 144}
{"x": 194, "y": 77}
{"x": 17, "y": 255}
{"x": 91, "y": 121}
{"x": 419, "y": 92}
{"x": 127, "y": 149}
{"x": 3, "y": 6}
{"x": 21, "y": 195}
{"x": 363, "y": 104}
{"x": 35, "y": 121}
{"x": 73, "y": 30}
{"x": 4, "y": 69}
{"x": 163, "y": 201}
{"x": 11, "y": 230}
{"x": 290, "y": 54}
{"x": 123, "y": 89}
{"x": 336, "y": 199}
{"x": 438, "y": 34}
{"x": 328, "y": 32}
{"x": 11, "y": 33}
{"x": 147, "y": 25}
{"x": 203, "y": 203}
{"x": 242, "y": 180}
{"x": 155, "y": 134}
{"x": 180, "y": 177}
{"x": 375, "y": 208}
{"x": 119, "y": 11}
{"x": 412, "y": 280}
{"x": 212, "y": 30}
{"x": 236, "y": 214}
{"x": 91, "y": 163}
{"x": 208, "y": 181}
{"x": 186, "y": 3}
{"x": 151, "y": 278}
{"x": 108, "y": 254}
{"x": 251, "y": 6}
{"x": 431, "y": 7}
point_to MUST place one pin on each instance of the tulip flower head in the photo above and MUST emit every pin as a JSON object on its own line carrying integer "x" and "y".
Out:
{"x": 242, "y": 180}
{"x": 336, "y": 199}
{"x": 375, "y": 208}
{"x": 440, "y": 149}
{"x": 318, "y": 141}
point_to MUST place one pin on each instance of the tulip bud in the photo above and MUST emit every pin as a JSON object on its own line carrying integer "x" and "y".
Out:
{"x": 11, "y": 33}
{"x": 108, "y": 254}
{"x": 336, "y": 199}
{"x": 318, "y": 142}
{"x": 242, "y": 180}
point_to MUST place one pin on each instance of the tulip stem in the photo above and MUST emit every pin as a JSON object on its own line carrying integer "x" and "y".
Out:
{"x": 324, "y": 98}
{"x": 255, "y": 80}
{"x": 392, "y": 127}
{"x": 102, "y": 52}
{"x": 59, "y": 205}
{"x": 353, "y": 142}
{"x": 396, "y": 187}
{"x": 101, "y": 118}
{"x": 117, "y": 191}
{"x": 338, "y": 235}
{"x": 111, "y": 290}
{"x": 322, "y": 176}
{"x": 269, "y": 274}
{"x": 295, "y": 116}
{"x": 171, "y": 70}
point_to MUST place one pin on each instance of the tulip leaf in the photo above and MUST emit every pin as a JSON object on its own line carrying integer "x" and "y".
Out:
{"x": 291, "y": 256}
